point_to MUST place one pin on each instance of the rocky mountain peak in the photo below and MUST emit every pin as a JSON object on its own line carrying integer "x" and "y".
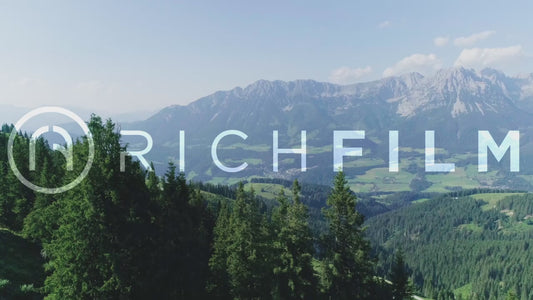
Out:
{"x": 310, "y": 88}
{"x": 461, "y": 91}
{"x": 455, "y": 91}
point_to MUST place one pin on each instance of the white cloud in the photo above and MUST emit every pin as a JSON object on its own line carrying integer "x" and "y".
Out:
{"x": 479, "y": 58}
{"x": 422, "y": 63}
{"x": 441, "y": 41}
{"x": 384, "y": 24}
{"x": 345, "y": 75}
{"x": 467, "y": 41}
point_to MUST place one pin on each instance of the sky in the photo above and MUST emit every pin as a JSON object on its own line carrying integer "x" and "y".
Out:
{"x": 129, "y": 56}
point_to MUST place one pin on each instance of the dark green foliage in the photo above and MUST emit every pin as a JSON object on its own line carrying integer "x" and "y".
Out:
{"x": 219, "y": 189}
{"x": 249, "y": 250}
{"x": 521, "y": 206}
{"x": 249, "y": 260}
{"x": 115, "y": 235}
{"x": 454, "y": 241}
{"x": 134, "y": 235}
{"x": 348, "y": 267}
{"x": 94, "y": 252}
{"x": 16, "y": 201}
{"x": 218, "y": 285}
{"x": 240, "y": 266}
{"x": 183, "y": 235}
{"x": 419, "y": 184}
{"x": 399, "y": 276}
{"x": 20, "y": 264}
{"x": 293, "y": 242}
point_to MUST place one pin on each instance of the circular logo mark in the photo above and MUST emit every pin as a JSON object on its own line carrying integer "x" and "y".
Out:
{"x": 32, "y": 114}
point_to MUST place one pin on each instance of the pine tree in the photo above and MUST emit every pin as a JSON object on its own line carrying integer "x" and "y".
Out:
{"x": 279, "y": 223}
{"x": 249, "y": 267}
{"x": 218, "y": 285}
{"x": 203, "y": 222}
{"x": 153, "y": 183}
{"x": 348, "y": 267}
{"x": 101, "y": 238}
{"x": 40, "y": 223}
{"x": 401, "y": 286}
{"x": 16, "y": 200}
{"x": 294, "y": 243}
{"x": 173, "y": 234}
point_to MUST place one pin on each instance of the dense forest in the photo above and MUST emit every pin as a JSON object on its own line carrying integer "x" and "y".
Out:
{"x": 453, "y": 242}
{"x": 134, "y": 235}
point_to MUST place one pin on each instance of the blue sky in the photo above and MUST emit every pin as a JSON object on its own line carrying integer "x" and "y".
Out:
{"x": 125, "y": 56}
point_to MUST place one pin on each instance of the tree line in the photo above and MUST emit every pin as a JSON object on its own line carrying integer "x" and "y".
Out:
{"x": 134, "y": 235}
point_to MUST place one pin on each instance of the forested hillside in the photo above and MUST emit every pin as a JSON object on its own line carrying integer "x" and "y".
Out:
{"x": 134, "y": 235}
{"x": 477, "y": 247}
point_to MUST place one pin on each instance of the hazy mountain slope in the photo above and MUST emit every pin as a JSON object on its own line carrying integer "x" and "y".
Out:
{"x": 454, "y": 102}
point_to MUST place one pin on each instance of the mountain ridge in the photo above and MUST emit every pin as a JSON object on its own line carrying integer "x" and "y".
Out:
{"x": 446, "y": 82}
{"x": 456, "y": 102}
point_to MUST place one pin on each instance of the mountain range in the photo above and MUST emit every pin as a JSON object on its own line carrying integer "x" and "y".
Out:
{"x": 455, "y": 103}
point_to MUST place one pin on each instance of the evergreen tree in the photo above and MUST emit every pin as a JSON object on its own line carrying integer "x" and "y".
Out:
{"x": 279, "y": 222}
{"x": 218, "y": 285}
{"x": 16, "y": 200}
{"x": 41, "y": 222}
{"x": 153, "y": 183}
{"x": 348, "y": 267}
{"x": 401, "y": 287}
{"x": 203, "y": 222}
{"x": 294, "y": 243}
{"x": 180, "y": 267}
{"x": 101, "y": 238}
{"x": 249, "y": 268}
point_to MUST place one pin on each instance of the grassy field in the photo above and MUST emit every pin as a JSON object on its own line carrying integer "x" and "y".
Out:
{"x": 465, "y": 291}
{"x": 376, "y": 177}
{"x": 420, "y": 200}
{"x": 492, "y": 199}
{"x": 443, "y": 181}
{"x": 227, "y": 180}
{"x": 236, "y": 162}
{"x": 265, "y": 190}
{"x": 257, "y": 148}
{"x": 380, "y": 179}
{"x": 359, "y": 163}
